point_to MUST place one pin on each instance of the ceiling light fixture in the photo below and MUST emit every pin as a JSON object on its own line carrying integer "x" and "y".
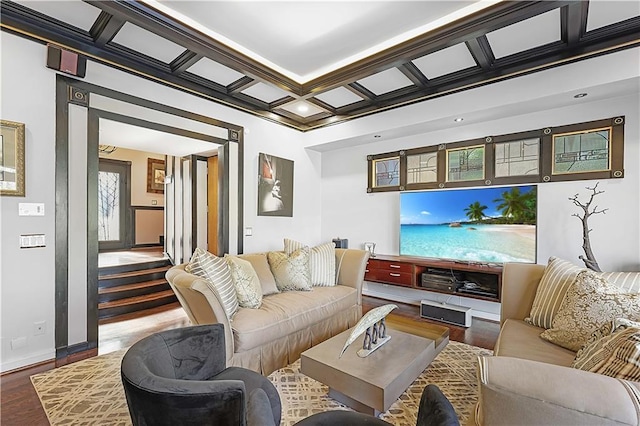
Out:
{"x": 303, "y": 107}
{"x": 459, "y": 119}
{"x": 580, "y": 95}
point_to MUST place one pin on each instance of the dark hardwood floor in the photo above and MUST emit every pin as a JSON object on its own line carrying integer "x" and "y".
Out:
{"x": 19, "y": 403}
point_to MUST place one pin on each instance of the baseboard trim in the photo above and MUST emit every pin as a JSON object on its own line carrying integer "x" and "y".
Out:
{"x": 30, "y": 361}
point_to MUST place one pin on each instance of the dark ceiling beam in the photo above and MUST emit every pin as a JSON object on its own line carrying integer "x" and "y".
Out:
{"x": 497, "y": 16}
{"x": 241, "y": 84}
{"x": 322, "y": 104}
{"x": 573, "y": 22}
{"x": 414, "y": 74}
{"x": 147, "y": 17}
{"x": 361, "y": 91}
{"x": 279, "y": 102}
{"x": 184, "y": 61}
{"x": 480, "y": 49}
{"x": 105, "y": 28}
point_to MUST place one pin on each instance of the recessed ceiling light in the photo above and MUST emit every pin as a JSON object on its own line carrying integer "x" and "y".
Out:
{"x": 459, "y": 119}
{"x": 580, "y": 95}
{"x": 303, "y": 107}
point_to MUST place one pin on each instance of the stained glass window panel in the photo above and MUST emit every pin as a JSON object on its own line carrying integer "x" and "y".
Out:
{"x": 387, "y": 172}
{"x": 465, "y": 164}
{"x": 581, "y": 152}
{"x": 422, "y": 168}
{"x": 517, "y": 158}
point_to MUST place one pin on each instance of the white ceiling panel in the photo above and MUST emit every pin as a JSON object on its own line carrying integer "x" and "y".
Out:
{"x": 136, "y": 111}
{"x": 302, "y": 108}
{"x": 602, "y": 13}
{"x": 148, "y": 43}
{"x": 339, "y": 97}
{"x": 143, "y": 139}
{"x": 265, "y": 92}
{"x": 525, "y": 35}
{"x": 445, "y": 61}
{"x": 77, "y": 13}
{"x": 214, "y": 71}
{"x": 386, "y": 81}
{"x": 307, "y": 39}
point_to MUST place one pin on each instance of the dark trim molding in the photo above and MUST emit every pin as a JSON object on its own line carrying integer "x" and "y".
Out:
{"x": 65, "y": 87}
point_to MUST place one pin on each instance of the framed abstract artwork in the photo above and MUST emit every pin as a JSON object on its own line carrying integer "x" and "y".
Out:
{"x": 275, "y": 186}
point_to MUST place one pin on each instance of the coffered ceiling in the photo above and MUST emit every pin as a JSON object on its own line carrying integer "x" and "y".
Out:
{"x": 308, "y": 64}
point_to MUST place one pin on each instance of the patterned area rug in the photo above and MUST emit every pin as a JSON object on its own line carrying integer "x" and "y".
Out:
{"x": 89, "y": 392}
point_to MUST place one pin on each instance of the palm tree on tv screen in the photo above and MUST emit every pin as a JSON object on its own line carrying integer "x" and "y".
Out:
{"x": 518, "y": 207}
{"x": 475, "y": 211}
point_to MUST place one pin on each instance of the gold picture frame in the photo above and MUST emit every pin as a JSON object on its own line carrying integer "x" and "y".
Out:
{"x": 12, "y": 158}
{"x": 155, "y": 176}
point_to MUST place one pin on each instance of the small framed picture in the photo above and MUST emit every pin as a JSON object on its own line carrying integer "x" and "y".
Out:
{"x": 371, "y": 248}
{"x": 155, "y": 175}
{"x": 12, "y": 158}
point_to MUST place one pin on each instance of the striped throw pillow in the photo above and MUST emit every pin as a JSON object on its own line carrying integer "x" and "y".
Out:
{"x": 616, "y": 354}
{"x": 322, "y": 262}
{"x": 629, "y": 282}
{"x": 556, "y": 280}
{"x": 216, "y": 273}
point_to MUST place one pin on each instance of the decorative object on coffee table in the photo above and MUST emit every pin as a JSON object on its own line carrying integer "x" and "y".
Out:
{"x": 590, "y": 259}
{"x": 372, "y": 324}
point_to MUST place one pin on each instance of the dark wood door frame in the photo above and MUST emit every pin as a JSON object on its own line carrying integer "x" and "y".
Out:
{"x": 71, "y": 91}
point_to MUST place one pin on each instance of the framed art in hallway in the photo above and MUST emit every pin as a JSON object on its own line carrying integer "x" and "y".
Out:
{"x": 155, "y": 176}
{"x": 275, "y": 186}
{"x": 12, "y": 158}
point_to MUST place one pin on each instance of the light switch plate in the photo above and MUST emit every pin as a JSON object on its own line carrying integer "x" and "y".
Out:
{"x": 30, "y": 209}
{"x": 32, "y": 241}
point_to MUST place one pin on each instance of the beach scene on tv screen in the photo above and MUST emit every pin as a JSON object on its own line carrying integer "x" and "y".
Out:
{"x": 492, "y": 225}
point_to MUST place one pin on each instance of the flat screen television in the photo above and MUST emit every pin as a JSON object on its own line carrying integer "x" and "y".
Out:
{"x": 484, "y": 225}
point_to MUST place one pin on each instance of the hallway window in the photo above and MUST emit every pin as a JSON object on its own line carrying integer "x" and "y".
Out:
{"x": 108, "y": 206}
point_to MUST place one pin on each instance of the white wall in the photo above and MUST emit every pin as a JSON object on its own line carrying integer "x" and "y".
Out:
{"x": 616, "y": 235}
{"x": 28, "y": 275}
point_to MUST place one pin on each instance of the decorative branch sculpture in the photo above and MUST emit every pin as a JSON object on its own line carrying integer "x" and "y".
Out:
{"x": 590, "y": 259}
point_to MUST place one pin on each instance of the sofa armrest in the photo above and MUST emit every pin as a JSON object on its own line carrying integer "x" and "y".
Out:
{"x": 519, "y": 284}
{"x": 199, "y": 302}
{"x": 350, "y": 267}
{"x": 553, "y": 395}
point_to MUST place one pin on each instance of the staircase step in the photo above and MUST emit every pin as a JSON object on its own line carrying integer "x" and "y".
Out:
{"x": 140, "y": 313}
{"x": 118, "y": 269}
{"x": 114, "y": 280}
{"x": 136, "y": 273}
{"x": 132, "y": 286}
{"x": 136, "y": 300}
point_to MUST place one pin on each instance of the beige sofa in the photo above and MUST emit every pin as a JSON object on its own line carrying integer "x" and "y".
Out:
{"x": 287, "y": 323}
{"x": 530, "y": 381}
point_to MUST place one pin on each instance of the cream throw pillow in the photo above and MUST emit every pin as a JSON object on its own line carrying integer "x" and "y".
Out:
{"x": 246, "y": 282}
{"x": 218, "y": 277}
{"x": 556, "y": 279}
{"x": 322, "y": 262}
{"x": 291, "y": 271}
{"x": 614, "y": 351}
{"x": 590, "y": 303}
{"x": 261, "y": 266}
